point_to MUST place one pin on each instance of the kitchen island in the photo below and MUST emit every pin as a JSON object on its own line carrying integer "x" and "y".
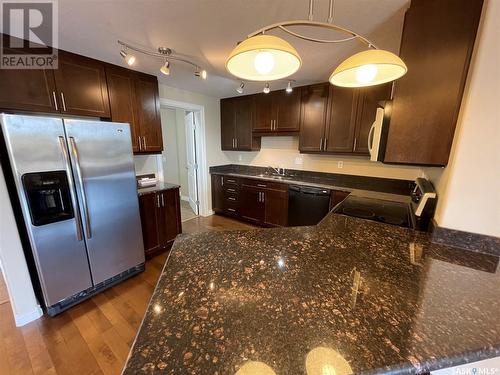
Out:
{"x": 345, "y": 296}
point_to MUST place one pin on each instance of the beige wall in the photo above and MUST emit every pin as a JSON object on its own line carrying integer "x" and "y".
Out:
{"x": 469, "y": 188}
{"x": 283, "y": 152}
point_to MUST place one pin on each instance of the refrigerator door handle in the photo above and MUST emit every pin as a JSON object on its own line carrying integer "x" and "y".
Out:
{"x": 78, "y": 219}
{"x": 74, "y": 151}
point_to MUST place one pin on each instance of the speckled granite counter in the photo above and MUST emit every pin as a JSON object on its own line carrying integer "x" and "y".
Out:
{"x": 347, "y": 295}
{"x": 158, "y": 187}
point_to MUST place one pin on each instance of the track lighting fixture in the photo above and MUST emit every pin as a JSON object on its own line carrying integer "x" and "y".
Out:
{"x": 129, "y": 58}
{"x": 166, "y": 54}
{"x": 239, "y": 90}
{"x": 289, "y": 88}
{"x": 265, "y": 57}
{"x": 266, "y": 89}
{"x": 165, "y": 69}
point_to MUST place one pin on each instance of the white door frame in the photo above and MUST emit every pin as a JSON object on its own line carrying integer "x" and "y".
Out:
{"x": 201, "y": 151}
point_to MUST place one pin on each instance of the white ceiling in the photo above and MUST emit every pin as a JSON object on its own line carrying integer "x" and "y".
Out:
{"x": 207, "y": 30}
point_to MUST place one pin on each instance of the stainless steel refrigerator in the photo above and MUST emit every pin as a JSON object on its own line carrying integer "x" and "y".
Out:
{"x": 76, "y": 185}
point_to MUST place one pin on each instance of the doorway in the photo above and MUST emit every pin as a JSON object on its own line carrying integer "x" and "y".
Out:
{"x": 182, "y": 160}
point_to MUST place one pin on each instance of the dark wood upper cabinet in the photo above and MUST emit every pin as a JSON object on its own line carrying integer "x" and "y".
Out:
{"x": 264, "y": 114}
{"x": 368, "y": 99}
{"x": 148, "y": 112}
{"x": 437, "y": 44}
{"x": 237, "y": 119}
{"x": 121, "y": 87}
{"x": 341, "y": 120}
{"x": 287, "y": 107}
{"x": 277, "y": 112}
{"x": 81, "y": 86}
{"x": 313, "y": 113}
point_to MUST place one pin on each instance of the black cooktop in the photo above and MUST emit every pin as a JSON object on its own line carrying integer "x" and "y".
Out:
{"x": 389, "y": 212}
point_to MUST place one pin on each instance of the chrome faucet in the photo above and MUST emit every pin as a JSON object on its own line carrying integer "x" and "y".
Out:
{"x": 280, "y": 171}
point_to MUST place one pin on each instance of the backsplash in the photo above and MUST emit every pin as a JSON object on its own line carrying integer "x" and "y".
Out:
{"x": 146, "y": 164}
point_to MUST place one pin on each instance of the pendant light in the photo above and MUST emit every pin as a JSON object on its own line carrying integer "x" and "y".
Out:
{"x": 263, "y": 58}
{"x": 368, "y": 68}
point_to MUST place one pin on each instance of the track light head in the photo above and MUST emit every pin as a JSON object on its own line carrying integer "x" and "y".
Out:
{"x": 239, "y": 90}
{"x": 200, "y": 73}
{"x": 129, "y": 58}
{"x": 266, "y": 89}
{"x": 289, "y": 87}
{"x": 165, "y": 69}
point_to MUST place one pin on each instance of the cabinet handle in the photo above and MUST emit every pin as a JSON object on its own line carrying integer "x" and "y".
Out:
{"x": 157, "y": 201}
{"x": 63, "y": 101}
{"x": 162, "y": 201}
{"x": 232, "y": 181}
{"x": 232, "y": 190}
{"x": 236, "y": 142}
{"x": 259, "y": 196}
{"x": 222, "y": 181}
{"x": 324, "y": 145}
{"x": 231, "y": 209}
{"x": 231, "y": 199}
{"x": 145, "y": 144}
{"x": 321, "y": 144}
{"x": 55, "y": 100}
{"x": 140, "y": 145}
{"x": 355, "y": 142}
{"x": 263, "y": 197}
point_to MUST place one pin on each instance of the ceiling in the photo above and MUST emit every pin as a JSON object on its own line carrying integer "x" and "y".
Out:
{"x": 206, "y": 31}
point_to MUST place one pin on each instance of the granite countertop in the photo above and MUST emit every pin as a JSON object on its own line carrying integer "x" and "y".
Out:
{"x": 347, "y": 295}
{"x": 348, "y": 183}
{"x": 158, "y": 187}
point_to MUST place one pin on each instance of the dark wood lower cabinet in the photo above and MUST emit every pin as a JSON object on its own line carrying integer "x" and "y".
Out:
{"x": 276, "y": 207}
{"x": 252, "y": 206}
{"x": 160, "y": 219}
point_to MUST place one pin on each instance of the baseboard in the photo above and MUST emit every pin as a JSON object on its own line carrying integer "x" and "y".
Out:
{"x": 23, "y": 319}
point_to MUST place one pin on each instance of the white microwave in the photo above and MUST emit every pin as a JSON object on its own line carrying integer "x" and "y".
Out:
{"x": 377, "y": 136}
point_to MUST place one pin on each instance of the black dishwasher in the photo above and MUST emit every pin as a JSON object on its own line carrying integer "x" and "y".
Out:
{"x": 307, "y": 205}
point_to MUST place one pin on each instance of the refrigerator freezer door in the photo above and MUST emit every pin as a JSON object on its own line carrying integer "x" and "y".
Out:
{"x": 37, "y": 144}
{"x": 103, "y": 166}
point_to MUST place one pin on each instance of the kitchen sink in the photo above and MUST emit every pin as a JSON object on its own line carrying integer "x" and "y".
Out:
{"x": 274, "y": 176}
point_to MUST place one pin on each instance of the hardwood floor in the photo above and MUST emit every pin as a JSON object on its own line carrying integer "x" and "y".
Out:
{"x": 95, "y": 336}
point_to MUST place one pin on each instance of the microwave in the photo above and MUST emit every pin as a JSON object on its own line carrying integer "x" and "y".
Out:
{"x": 377, "y": 136}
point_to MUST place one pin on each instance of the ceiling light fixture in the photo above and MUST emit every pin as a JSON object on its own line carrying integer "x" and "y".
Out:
{"x": 165, "y": 69}
{"x": 167, "y": 54}
{"x": 289, "y": 87}
{"x": 129, "y": 58}
{"x": 239, "y": 90}
{"x": 263, "y": 57}
{"x": 266, "y": 89}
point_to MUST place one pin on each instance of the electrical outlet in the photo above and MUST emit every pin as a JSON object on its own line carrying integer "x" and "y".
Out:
{"x": 340, "y": 164}
{"x": 299, "y": 160}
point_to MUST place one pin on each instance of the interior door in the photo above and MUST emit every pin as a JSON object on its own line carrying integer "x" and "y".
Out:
{"x": 103, "y": 166}
{"x": 38, "y": 144}
{"x": 191, "y": 164}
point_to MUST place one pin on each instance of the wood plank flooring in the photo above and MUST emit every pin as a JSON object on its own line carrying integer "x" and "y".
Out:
{"x": 95, "y": 336}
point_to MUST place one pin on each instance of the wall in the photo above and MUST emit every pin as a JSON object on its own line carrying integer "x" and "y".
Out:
{"x": 283, "y": 152}
{"x": 469, "y": 187}
{"x": 22, "y": 298}
{"x": 145, "y": 164}
{"x": 174, "y": 148}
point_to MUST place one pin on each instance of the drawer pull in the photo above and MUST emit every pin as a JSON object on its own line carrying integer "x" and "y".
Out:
{"x": 231, "y": 209}
{"x": 232, "y": 190}
{"x": 261, "y": 185}
{"x": 232, "y": 181}
{"x": 231, "y": 199}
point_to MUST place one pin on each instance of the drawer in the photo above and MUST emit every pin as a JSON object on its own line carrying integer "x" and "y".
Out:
{"x": 231, "y": 208}
{"x": 265, "y": 184}
{"x": 231, "y": 189}
{"x": 228, "y": 180}
{"x": 231, "y": 198}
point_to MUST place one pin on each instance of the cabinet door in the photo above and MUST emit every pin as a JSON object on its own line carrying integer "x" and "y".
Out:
{"x": 217, "y": 193}
{"x": 244, "y": 115}
{"x": 81, "y": 85}
{"x": 251, "y": 203}
{"x": 287, "y": 109}
{"x": 276, "y": 207}
{"x": 122, "y": 100}
{"x": 169, "y": 222}
{"x": 367, "y": 108}
{"x": 436, "y": 45}
{"x": 337, "y": 196}
{"x": 314, "y": 102}
{"x": 227, "y": 124}
{"x": 339, "y": 135}
{"x": 148, "y": 112}
{"x": 264, "y": 113}
{"x": 148, "y": 207}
